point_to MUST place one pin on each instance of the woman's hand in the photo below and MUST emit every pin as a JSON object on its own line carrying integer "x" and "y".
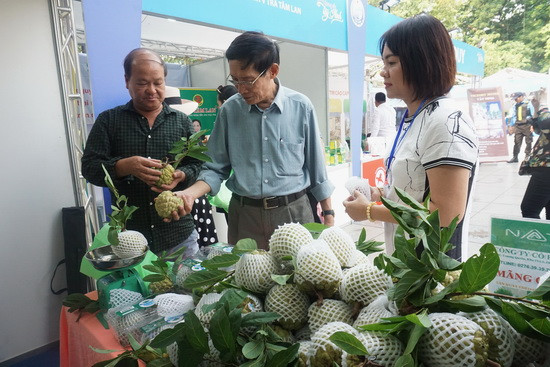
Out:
{"x": 356, "y": 206}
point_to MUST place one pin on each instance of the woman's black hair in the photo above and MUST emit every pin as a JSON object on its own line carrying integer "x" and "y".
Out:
{"x": 253, "y": 48}
{"x": 224, "y": 92}
{"x": 426, "y": 54}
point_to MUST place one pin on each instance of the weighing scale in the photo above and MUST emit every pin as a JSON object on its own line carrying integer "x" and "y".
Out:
{"x": 122, "y": 273}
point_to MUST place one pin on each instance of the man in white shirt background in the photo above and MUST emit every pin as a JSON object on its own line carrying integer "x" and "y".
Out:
{"x": 383, "y": 121}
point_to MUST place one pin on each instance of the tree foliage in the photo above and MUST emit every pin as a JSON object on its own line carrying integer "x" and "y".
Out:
{"x": 513, "y": 33}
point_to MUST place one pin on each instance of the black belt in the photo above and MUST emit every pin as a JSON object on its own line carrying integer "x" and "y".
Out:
{"x": 271, "y": 202}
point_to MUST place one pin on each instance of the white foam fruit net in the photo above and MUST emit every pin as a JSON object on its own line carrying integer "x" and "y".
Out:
{"x": 173, "y": 304}
{"x": 253, "y": 271}
{"x": 123, "y": 325}
{"x": 321, "y": 337}
{"x": 382, "y": 349}
{"x": 207, "y": 299}
{"x": 181, "y": 275}
{"x": 340, "y": 242}
{"x": 288, "y": 239}
{"x": 360, "y": 184}
{"x": 357, "y": 258}
{"x": 131, "y": 243}
{"x": 123, "y": 297}
{"x": 528, "y": 349}
{"x": 363, "y": 283}
{"x": 290, "y": 303}
{"x": 449, "y": 341}
{"x": 502, "y": 350}
{"x": 330, "y": 310}
{"x": 317, "y": 264}
{"x": 374, "y": 311}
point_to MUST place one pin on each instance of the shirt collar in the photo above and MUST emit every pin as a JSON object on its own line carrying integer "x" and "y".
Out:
{"x": 165, "y": 108}
{"x": 277, "y": 101}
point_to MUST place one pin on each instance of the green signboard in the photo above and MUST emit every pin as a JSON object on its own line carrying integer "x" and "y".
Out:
{"x": 208, "y": 105}
{"x": 524, "y": 249}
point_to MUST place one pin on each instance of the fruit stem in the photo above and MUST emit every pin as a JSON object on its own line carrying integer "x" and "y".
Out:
{"x": 498, "y": 295}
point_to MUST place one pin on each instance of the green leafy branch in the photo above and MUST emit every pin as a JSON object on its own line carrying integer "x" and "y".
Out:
{"x": 121, "y": 211}
{"x": 154, "y": 357}
{"x": 191, "y": 147}
{"x": 81, "y": 303}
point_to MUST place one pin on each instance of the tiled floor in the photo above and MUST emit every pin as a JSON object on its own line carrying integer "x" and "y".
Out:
{"x": 498, "y": 192}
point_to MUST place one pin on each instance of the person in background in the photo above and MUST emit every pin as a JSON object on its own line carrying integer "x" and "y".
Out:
{"x": 132, "y": 139}
{"x": 268, "y": 135}
{"x": 196, "y": 125}
{"x": 383, "y": 122}
{"x": 435, "y": 151}
{"x": 537, "y": 193}
{"x": 224, "y": 92}
{"x": 520, "y": 121}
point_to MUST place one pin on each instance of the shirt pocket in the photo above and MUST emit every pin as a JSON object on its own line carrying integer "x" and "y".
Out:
{"x": 290, "y": 157}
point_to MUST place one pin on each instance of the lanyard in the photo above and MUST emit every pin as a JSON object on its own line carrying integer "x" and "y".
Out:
{"x": 397, "y": 139}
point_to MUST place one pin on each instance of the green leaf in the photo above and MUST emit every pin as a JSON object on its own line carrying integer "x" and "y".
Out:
{"x": 152, "y": 268}
{"x": 315, "y": 228}
{"x": 204, "y": 278}
{"x": 470, "y": 304}
{"x": 151, "y": 278}
{"x": 281, "y": 279}
{"x": 542, "y": 292}
{"x": 221, "y": 333}
{"x": 420, "y": 319}
{"x": 410, "y": 281}
{"x": 284, "y": 357}
{"x": 258, "y": 318}
{"x": 362, "y": 236}
{"x": 541, "y": 325}
{"x": 168, "y": 336}
{"x": 112, "y": 236}
{"x": 259, "y": 362}
{"x": 221, "y": 261}
{"x": 235, "y": 320}
{"x": 105, "y": 351}
{"x": 349, "y": 343}
{"x": 253, "y": 349}
{"x": 479, "y": 270}
{"x": 414, "y": 336}
{"x": 409, "y": 200}
{"x": 199, "y": 156}
{"x": 187, "y": 355}
{"x": 370, "y": 247}
{"x": 194, "y": 331}
{"x": 245, "y": 245}
{"x": 160, "y": 362}
{"x": 406, "y": 360}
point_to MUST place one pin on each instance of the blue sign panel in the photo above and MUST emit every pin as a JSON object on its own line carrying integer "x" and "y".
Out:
{"x": 320, "y": 22}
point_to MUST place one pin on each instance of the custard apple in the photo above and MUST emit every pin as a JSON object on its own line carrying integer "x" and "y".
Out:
{"x": 130, "y": 244}
{"x": 253, "y": 271}
{"x": 363, "y": 283}
{"x": 291, "y": 304}
{"x": 340, "y": 242}
{"x": 317, "y": 269}
{"x": 166, "y": 203}
{"x": 330, "y": 310}
{"x": 166, "y": 175}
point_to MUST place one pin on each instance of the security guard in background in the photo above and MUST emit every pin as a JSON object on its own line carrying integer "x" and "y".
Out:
{"x": 520, "y": 124}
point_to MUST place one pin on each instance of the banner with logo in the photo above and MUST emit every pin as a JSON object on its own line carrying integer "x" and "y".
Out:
{"x": 357, "y": 32}
{"x": 524, "y": 249}
{"x": 486, "y": 110}
{"x": 208, "y": 105}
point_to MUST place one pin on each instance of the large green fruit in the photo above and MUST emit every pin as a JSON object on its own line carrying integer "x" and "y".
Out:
{"x": 166, "y": 203}
{"x": 166, "y": 176}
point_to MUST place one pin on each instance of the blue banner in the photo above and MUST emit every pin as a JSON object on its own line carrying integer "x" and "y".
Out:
{"x": 319, "y": 22}
{"x": 356, "y": 70}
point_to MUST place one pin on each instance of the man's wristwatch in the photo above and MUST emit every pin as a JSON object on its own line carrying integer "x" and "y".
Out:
{"x": 327, "y": 212}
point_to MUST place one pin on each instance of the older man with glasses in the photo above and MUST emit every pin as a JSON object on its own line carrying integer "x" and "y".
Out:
{"x": 268, "y": 135}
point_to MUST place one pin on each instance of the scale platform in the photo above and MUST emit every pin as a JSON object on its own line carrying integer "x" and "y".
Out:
{"x": 122, "y": 273}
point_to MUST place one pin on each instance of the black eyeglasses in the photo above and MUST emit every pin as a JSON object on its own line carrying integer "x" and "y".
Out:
{"x": 244, "y": 83}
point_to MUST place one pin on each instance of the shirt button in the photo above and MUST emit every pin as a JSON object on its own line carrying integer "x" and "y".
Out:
{"x": 152, "y": 226}
{"x": 265, "y": 137}
{"x": 266, "y": 180}
{"x": 266, "y": 160}
{"x": 148, "y": 157}
{"x": 265, "y": 117}
{"x": 149, "y": 136}
{"x": 151, "y": 203}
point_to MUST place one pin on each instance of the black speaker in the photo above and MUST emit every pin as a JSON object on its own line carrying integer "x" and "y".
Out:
{"x": 74, "y": 233}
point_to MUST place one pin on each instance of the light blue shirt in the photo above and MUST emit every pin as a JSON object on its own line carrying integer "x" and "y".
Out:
{"x": 513, "y": 112}
{"x": 273, "y": 152}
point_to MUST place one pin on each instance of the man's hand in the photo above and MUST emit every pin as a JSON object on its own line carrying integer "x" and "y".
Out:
{"x": 140, "y": 167}
{"x": 188, "y": 201}
{"x": 356, "y": 206}
{"x": 177, "y": 176}
{"x": 328, "y": 220}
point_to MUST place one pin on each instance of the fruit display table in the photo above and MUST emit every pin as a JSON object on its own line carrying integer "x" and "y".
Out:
{"x": 76, "y": 338}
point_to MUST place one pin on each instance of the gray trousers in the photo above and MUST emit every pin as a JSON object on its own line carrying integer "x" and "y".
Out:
{"x": 523, "y": 131}
{"x": 247, "y": 221}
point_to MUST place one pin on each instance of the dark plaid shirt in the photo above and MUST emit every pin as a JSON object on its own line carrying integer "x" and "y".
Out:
{"x": 123, "y": 132}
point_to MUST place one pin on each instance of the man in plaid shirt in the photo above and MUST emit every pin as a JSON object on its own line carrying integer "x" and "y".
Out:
{"x": 132, "y": 139}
